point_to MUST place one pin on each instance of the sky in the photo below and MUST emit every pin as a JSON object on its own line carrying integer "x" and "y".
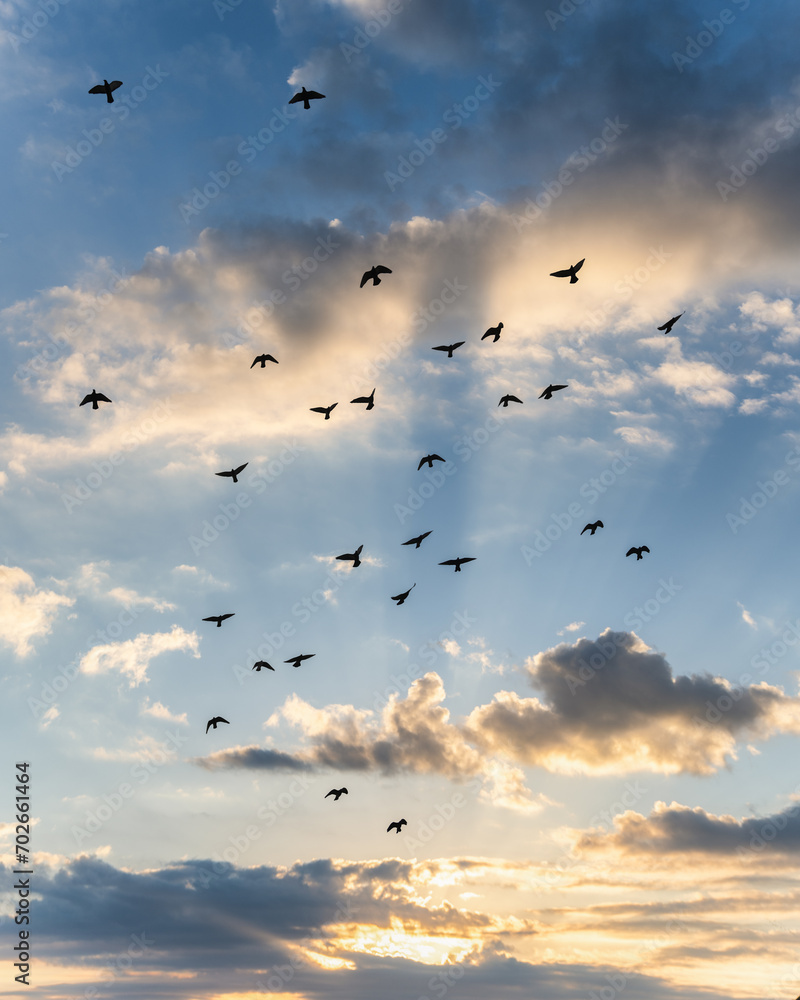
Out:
{"x": 593, "y": 753}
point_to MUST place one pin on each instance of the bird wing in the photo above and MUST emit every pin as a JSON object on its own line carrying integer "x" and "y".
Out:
{"x": 644, "y": 548}
{"x": 269, "y": 357}
{"x": 213, "y": 618}
{"x": 555, "y": 387}
{"x": 229, "y": 615}
{"x": 400, "y": 597}
{"x": 468, "y": 559}
{"x": 548, "y": 389}
{"x": 331, "y": 792}
{"x": 512, "y": 399}
{"x": 306, "y": 656}
{"x": 115, "y": 84}
{"x": 599, "y": 524}
{"x": 567, "y": 273}
{"x": 220, "y": 719}
{"x": 392, "y": 826}
{"x": 98, "y": 89}
{"x": 343, "y": 790}
{"x": 457, "y": 344}
{"x": 255, "y": 362}
{"x": 228, "y": 474}
{"x": 436, "y": 458}
{"x": 588, "y": 526}
{"x": 296, "y": 98}
{"x": 576, "y": 267}
{"x": 208, "y": 724}
{"x": 442, "y": 348}
{"x": 347, "y": 555}
{"x": 86, "y": 399}
{"x": 314, "y": 409}
{"x": 380, "y": 269}
{"x": 313, "y": 95}
{"x": 332, "y": 406}
{"x": 100, "y": 396}
{"x": 241, "y": 467}
{"x": 631, "y": 552}
{"x": 360, "y": 399}
{"x": 422, "y": 461}
{"x": 365, "y": 278}
{"x": 449, "y": 562}
{"x": 402, "y": 823}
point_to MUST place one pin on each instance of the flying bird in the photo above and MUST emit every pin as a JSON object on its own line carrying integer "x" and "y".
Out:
{"x": 548, "y": 392}
{"x": 233, "y": 473}
{"x": 263, "y": 358}
{"x": 457, "y": 562}
{"x": 493, "y": 331}
{"x": 93, "y": 398}
{"x": 337, "y": 792}
{"x": 570, "y": 272}
{"x": 593, "y": 527}
{"x": 430, "y": 459}
{"x": 261, "y": 663}
{"x": 297, "y": 660}
{"x": 401, "y": 598}
{"x": 374, "y": 272}
{"x": 369, "y": 400}
{"x": 396, "y": 826}
{"x": 219, "y": 619}
{"x": 106, "y": 88}
{"x": 449, "y": 347}
{"x": 305, "y": 96}
{"x": 353, "y": 555}
{"x": 638, "y": 552}
{"x": 420, "y": 538}
{"x": 508, "y": 399}
{"x": 667, "y": 327}
{"x": 212, "y": 723}
{"x": 324, "y": 409}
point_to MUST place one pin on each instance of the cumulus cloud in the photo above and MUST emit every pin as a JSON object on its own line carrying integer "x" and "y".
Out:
{"x": 132, "y": 657}
{"x": 26, "y": 613}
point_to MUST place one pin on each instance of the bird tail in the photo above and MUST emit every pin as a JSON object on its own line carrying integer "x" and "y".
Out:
{"x": 573, "y": 279}
{"x": 109, "y": 98}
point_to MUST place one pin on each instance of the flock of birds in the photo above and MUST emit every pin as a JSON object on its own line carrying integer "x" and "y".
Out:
{"x": 373, "y": 274}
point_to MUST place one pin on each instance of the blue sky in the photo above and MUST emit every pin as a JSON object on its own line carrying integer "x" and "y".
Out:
{"x": 571, "y": 734}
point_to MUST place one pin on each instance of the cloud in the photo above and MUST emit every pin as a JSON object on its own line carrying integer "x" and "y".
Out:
{"x": 132, "y": 657}
{"x": 614, "y": 706}
{"x": 25, "y": 612}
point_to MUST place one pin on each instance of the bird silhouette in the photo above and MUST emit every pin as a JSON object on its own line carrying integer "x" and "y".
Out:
{"x": 637, "y": 552}
{"x": 667, "y": 327}
{"x": 324, "y": 409}
{"x": 374, "y": 272}
{"x": 305, "y": 96}
{"x": 212, "y": 723}
{"x": 593, "y": 527}
{"x": 93, "y": 398}
{"x": 430, "y": 459}
{"x": 457, "y": 562}
{"x": 369, "y": 400}
{"x": 398, "y": 825}
{"x": 401, "y": 598}
{"x": 353, "y": 555}
{"x": 449, "y": 347}
{"x": 297, "y": 660}
{"x": 570, "y": 272}
{"x": 337, "y": 792}
{"x": 493, "y": 331}
{"x": 261, "y": 663}
{"x": 420, "y": 538}
{"x": 106, "y": 88}
{"x": 548, "y": 392}
{"x": 233, "y": 473}
{"x": 263, "y": 358}
{"x": 508, "y": 399}
{"x": 219, "y": 619}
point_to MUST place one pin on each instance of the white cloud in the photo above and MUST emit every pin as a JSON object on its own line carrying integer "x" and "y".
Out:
{"x": 132, "y": 657}
{"x": 25, "y": 612}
